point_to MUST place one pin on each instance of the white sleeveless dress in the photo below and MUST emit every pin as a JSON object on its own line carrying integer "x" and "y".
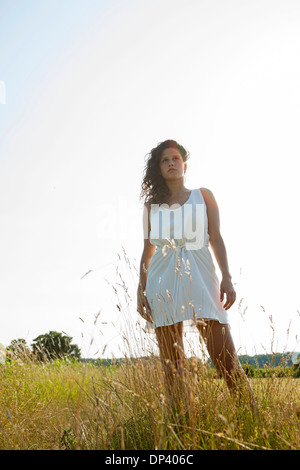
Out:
{"x": 182, "y": 284}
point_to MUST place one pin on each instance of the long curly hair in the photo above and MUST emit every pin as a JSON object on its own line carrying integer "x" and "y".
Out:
{"x": 154, "y": 189}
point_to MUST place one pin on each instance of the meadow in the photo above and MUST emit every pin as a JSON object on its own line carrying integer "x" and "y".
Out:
{"x": 84, "y": 405}
{"x": 63, "y": 405}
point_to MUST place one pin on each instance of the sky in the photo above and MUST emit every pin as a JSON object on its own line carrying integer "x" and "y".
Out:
{"x": 87, "y": 89}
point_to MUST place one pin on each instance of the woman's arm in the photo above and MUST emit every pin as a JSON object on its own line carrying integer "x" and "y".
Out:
{"x": 218, "y": 246}
{"x": 142, "y": 304}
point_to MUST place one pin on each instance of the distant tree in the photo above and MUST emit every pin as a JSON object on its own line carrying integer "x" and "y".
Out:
{"x": 18, "y": 349}
{"x": 54, "y": 345}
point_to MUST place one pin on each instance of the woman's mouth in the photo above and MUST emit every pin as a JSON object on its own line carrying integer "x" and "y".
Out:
{"x": 172, "y": 169}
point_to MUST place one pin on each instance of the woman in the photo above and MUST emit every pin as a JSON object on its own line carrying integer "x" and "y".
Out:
{"x": 178, "y": 284}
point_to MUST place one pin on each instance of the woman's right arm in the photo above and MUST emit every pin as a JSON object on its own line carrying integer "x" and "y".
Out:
{"x": 142, "y": 304}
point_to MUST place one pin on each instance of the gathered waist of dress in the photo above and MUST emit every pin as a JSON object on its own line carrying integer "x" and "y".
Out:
{"x": 178, "y": 244}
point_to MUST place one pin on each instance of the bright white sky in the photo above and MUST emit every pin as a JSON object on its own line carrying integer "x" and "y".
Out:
{"x": 88, "y": 87}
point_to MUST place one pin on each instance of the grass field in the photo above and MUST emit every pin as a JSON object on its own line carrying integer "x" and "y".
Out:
{"x": 82, "y": 406}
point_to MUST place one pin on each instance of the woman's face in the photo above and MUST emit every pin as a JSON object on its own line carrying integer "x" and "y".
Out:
{"x": 172, "y": 165}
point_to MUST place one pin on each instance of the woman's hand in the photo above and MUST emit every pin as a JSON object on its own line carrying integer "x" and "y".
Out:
{"x": 227, "y": 288}
{"x": 143, "y": 306}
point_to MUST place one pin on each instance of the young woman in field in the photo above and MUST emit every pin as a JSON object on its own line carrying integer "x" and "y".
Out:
{"x": 178, "y": 284}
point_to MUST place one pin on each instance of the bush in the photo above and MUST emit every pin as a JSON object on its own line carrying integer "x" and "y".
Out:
{"x": 54, "y": 345}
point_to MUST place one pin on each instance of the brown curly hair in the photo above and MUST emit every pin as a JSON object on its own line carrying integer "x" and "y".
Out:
{"x": 154, "y": 189}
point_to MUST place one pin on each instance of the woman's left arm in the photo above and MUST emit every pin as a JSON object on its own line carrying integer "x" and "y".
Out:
{"x": 218, "y": 246}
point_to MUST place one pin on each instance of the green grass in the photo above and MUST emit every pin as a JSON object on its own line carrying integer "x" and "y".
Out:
{"x": 80, "y": 406}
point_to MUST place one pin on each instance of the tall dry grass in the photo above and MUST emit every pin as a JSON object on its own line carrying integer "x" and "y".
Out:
{"x": 61, "y": 405}
{"x": 82, "y": 406}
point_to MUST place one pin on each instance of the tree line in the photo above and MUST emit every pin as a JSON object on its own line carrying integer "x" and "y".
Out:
{"x": 47, "y": 347}
{"x": 54, "y": 345}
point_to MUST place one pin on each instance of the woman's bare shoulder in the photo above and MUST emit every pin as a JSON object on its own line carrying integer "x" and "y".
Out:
{"x": 147, "y": 205}
{"x": 208, "y": 197}
{"x": 206, "y": 192}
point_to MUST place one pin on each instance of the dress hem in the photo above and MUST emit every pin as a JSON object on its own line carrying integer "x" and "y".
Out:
{"x": 189, "y": 324}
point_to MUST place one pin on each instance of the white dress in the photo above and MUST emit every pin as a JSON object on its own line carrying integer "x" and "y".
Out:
{"x": 182, "y": 284}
